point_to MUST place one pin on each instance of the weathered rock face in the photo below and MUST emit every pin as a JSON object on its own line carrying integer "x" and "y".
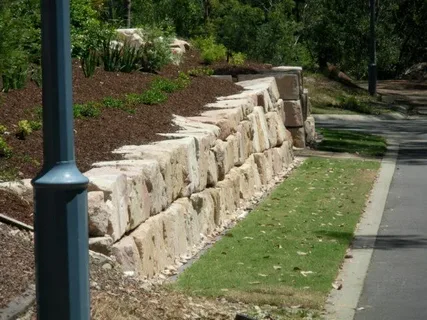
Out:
{"x": 310, "y": 131}
{"x": 162, "y": 201}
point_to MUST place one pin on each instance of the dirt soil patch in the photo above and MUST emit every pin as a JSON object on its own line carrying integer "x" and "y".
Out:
{"x": 13, "y": 206}
{"x": 95, "y": 138}
{"x": 16, "y": 262}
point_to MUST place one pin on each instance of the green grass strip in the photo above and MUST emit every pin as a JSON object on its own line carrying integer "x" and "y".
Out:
{"x": 288, "y": 250}
{"x": 361, "y": 143}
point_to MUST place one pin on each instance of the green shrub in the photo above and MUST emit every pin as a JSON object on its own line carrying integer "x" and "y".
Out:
{"x": 165, "y": 85}
{"x": 110, "y": 102}
{"x": 237, "y": 59}
{"x": 153, "y": 96}
{"x": 36, "y": 75}
{"x": 39, "y": 112}
{"x": 88, "y": 110}
{"x": 89, "y": 61}
{"x": 111, "y": 54}
{"x": 24, "y": 129}
{"x": 183, "y": 80}
{"x": 14, "y": 71}
{"x": 197, "y": 72}
{"x": 210, "y": 50}
{"x": 132, "y": 99}
{"x": 156, "y": 52}
{"x": 5, "y": 150}
{"x": 35, "y": 125}
{"x": 130, "y": 57}
{"x": 3, "y": 129}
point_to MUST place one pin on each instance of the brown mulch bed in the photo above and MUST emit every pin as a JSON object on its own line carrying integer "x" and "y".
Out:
{"x": 13, "y": 206}
{"x": 16, "y": 263}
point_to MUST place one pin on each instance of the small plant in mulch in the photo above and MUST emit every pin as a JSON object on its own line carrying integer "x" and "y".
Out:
{"x": 165, "y": 85}
{"x": 153, "y": 96}
{"x": 35, "y": 125}
{"x": 110, "y": 102}
{"x": 5, "y": 150}
{"x": 197, "y": 72}
{"x": 87, "y": 110}
{"x": 3, "y": 129}
{"x": 24, "y": 129}
{"x": 237, "y": 59}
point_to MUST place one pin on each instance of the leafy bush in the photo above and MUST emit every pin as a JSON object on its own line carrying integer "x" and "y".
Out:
{"x": 5, "y": 150}
{"x": 88, "y": 110}
{"x": 197, "y": 72}
{"x": 156, "y": 52}
{"x": 165, "y": 85}
{"x": 183, "y": 80}
{"x": 24, "y": 129}
{"x": 110, "y": 102}
{"x": 35, "y": 125}
{"x": 237, "y": 59}
{"x": 132, "y": 99}
{"x": 153, "y": 96}
{"x": 3, "y": 129}
{"x": 210, "y": 50}
{"x": 130, "y": 56}
{"x": 111, "y": 54}
{"x": 89, "y": 61}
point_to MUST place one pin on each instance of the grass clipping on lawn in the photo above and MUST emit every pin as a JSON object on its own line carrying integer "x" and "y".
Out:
{"x": 288, "y": 251}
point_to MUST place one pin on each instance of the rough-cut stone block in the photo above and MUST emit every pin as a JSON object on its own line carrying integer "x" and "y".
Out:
{"x": 288, "y": 153}
{"x": 229, "y": 196}
{"x": 273, "y": 127}
{"x": 204, "y": 142}
{"x": 298, "y": 137}
{"x": 247, "y": 105}
{"x": 101, "y": 245}
{"x": 22, "y": 188}
{"x": 212, "y": 178}
{"x": 149, "y": 239}
{"x": 192, "y": 222}
{"x": 187, "y": 157}
{"x": 223, "y": 77}
{"x": 310, "y": 130}
{"x": 224, "y": 156}
{"x": 304, "y": 104}
{"x": 264, "y": 164}
{"x": 99, "y": 215}
{"x": 170, "y": 167}
{"x": 113, "y": 183}
{"x": 219, "y": 206}
{"x": 292, "y": 70}
{"x": 260, "y": 130}
{"x": 189, "y": 125}
{"x": 141, "y": 172}
{"x": 293, "y": 113}
{"x": 289, "y": 85}
{"x": 204, "y": 206}
{"x": 127, "y": 254}
{"x": 262, "y": 82}
{"x": 247, "y": 94}
{"x": 250, "y": 180}
{"x": 226, "y": 119}
{"x": 245, "y": 135}
{"x": 174, "y": 226}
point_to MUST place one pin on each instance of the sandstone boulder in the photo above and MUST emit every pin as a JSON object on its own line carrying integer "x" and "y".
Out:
{"x": 293, "y": 113}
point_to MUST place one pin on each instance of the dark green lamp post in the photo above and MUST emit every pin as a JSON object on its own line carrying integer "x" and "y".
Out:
{"x": 61, "y": 232}
{"x": 372, "y": 53}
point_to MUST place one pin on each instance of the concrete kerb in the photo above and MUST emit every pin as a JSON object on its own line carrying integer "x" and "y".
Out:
{"x": 342, "y": 304}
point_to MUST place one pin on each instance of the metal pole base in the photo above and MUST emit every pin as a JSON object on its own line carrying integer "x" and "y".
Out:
{"x": 372, "y": 79}
{"x": 61, "y": 244}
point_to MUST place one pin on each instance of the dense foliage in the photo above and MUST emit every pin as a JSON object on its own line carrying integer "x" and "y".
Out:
{"x": 310, "y": 33}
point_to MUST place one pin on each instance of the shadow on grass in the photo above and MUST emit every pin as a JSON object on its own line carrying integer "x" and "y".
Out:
{"x": 379, "y": 242}
{"x": 352, "y": 142}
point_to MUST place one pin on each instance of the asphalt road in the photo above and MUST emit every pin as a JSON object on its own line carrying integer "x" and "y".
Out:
{"x": 396, "y": 283}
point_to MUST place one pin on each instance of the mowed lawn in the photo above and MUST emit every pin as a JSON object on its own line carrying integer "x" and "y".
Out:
{"x": 288, "y": 251}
